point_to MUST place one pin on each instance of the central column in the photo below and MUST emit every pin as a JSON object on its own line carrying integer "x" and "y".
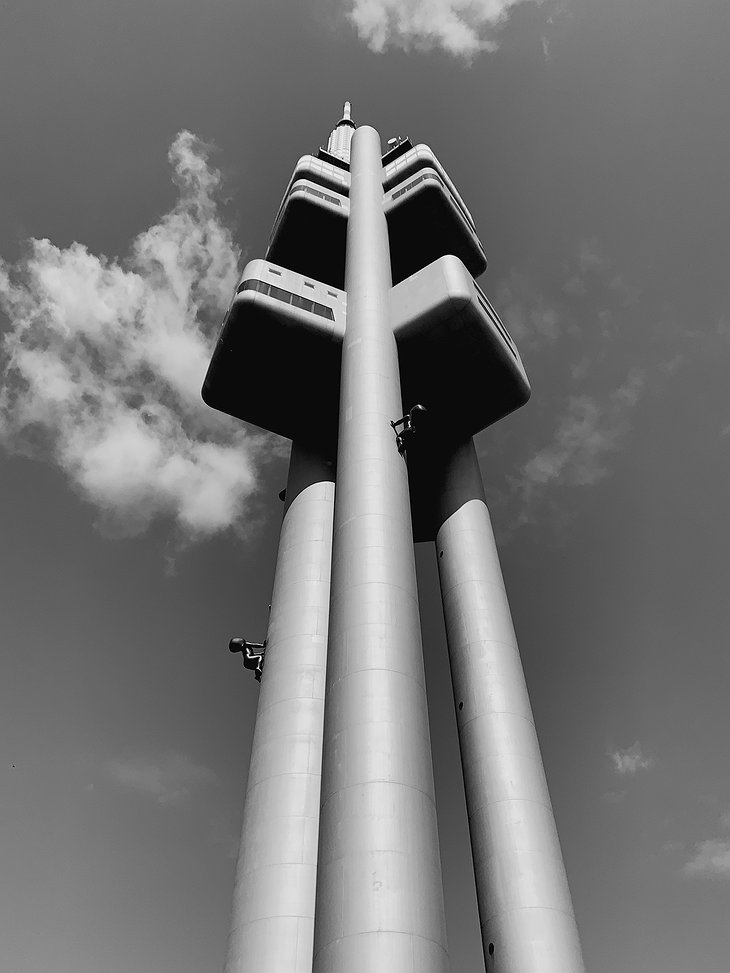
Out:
{"x": 379, "y": 892}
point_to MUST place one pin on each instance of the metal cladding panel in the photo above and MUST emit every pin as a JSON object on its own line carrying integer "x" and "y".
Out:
{"x": 455, "y": 356}
{"x": 534, "y": 942}
{"x": 309, "y": 233}
{"x": 383, "y": 880}
{"x": 275, "y": 365}
{"x": 294, "y": 937}
{"x": 425, "y": 223}
{"x": 384, "y": 950}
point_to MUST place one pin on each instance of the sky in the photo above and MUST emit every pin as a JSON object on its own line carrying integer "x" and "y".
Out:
{"x": 146, "y": 147}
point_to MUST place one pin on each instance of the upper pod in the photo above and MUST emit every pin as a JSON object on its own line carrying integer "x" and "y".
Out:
{"x": 427, "y": 218}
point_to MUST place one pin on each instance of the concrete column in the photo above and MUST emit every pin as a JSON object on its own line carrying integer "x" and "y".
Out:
{"x": 525, "y": 909}
{"x": 379, "y": 891}
{"x": 272, "y": 926}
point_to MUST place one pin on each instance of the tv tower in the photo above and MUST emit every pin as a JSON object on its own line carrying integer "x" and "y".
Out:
{"x": 376, "y": 352}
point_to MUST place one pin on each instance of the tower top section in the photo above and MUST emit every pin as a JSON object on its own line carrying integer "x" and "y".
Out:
{"x": 338, "y": 143}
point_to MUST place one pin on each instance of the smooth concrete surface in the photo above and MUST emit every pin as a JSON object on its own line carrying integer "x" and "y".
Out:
{"x": 272, "y": 925}
{"x": 525, "y": 909}
{"x": 379, "y": 890}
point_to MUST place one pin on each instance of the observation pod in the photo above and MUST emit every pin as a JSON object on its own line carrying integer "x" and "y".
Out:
{"x": 297, "y": 322}
{"x": 425, "y": 222}
{"x": 404, "y": 160}
{"x": 459, "y": 361}
{"x": 427, "y": 218}
{"x": 457, "y": 357}
{"x": 309, "y": 232}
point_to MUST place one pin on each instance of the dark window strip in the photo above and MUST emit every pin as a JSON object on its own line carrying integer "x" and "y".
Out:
{"x": 316, "y": 192}
{"x": 492, "y": 314}
{"x": 286, "y": 297}
{"x": 428, "y": 175}
{"x": 486, "y": 304}
{"x": 323, "y": 178}
{"x": 435, "y": 176}
{"x": 299, "y": 189}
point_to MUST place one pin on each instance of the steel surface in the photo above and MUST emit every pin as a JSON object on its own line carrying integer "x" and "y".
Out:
{"x": 273, "y": 906}
{"x": 525, "y": 909}
{"x": 379, "y": 890}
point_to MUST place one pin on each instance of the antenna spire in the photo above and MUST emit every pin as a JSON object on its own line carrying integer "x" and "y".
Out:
{"x": 339, "y": 141}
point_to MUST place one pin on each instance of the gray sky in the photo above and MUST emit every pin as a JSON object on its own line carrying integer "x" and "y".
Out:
{"x": 590, "y": 141}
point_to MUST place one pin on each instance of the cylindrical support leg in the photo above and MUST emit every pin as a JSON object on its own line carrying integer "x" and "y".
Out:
{"x": 526, "y": 913}
{"x": 272, "y": 926}
{"x": 379, "y": 891}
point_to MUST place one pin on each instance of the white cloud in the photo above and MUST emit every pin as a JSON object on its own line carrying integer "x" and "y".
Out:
{"x": 586, "y": 433}
{"x": 590, "y": 256}
{"x": 590, "y": 427}
{"x": 105, "y": 360}
{"x": 590, "y": 271}
{"x": 574, "y": 286}
{"x": 169, "y": 779}
{"x": 531, "y": 318}
{"x": 630, "y": 761}
{"x": 672, "y": 847}
{"x": 615, "y": 797}
{"x": 463, "y": 28}
{"x": 709, "y": 859}
{"x": 537, "y": 321}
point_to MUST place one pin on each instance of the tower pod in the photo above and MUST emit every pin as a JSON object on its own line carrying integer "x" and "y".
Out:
{"x": 277, "y": 360}
{"x": 310, "y": 232}
{"x": 459, "y": 361}
{"x": 456, "y": 356}
{"x": 425, "y": 222}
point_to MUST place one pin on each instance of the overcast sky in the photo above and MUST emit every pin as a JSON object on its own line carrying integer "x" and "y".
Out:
{"x": 146, "y": 145}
